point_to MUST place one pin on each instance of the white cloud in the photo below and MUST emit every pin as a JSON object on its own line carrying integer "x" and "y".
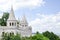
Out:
{"x": 6, "y": 4}
{"x": 46, "y": 22}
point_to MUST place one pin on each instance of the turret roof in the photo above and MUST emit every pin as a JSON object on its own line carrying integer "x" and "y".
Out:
{"x": 11, "y": 14}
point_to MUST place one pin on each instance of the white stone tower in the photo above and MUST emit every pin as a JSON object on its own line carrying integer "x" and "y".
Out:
{"x": 23, "y": 22}
{"x": 11, "y": 20}
{"x": 25, "y": 29}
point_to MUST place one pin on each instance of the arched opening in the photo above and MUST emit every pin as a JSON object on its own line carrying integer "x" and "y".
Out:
{"x": 10, "y": 24}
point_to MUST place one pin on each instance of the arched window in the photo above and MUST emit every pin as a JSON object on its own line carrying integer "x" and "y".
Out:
{"x": 10, "y": 24}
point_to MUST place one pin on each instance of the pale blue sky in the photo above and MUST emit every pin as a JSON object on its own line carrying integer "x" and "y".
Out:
{"x": 50, "y": 7}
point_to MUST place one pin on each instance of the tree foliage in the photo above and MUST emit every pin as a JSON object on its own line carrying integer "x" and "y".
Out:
{"x": 39, "y": 36}
{"x": 3, "y": 20}
{"x": 10, "y": 36}
{"x": 44, "y": 36}
{"x": 51, "y": 35}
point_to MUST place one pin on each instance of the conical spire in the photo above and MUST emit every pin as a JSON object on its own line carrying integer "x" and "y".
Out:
{"x": 11, "y": 14}
{"x": 24, "y": 20}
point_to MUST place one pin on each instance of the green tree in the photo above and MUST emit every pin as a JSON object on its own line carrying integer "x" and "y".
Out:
{"x": 51, "y": 35}
{"x": 37, "y": 36}
{"x": 10, "y": 36}
{"x": 4, "y": 36}
{"x": 17, "y": 37}
{"x": 0, "y": 21}
{"x": 3, "y": 20}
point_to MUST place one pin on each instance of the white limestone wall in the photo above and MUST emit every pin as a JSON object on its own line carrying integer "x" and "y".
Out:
{"x": 8, "y": 29}
{"x": 24, "y": 31}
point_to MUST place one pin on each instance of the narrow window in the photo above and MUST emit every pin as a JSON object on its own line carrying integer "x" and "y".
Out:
{"x": 10, "y": 24}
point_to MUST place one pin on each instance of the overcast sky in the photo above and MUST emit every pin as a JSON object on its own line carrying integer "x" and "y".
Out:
{"x": 42, "y": 15}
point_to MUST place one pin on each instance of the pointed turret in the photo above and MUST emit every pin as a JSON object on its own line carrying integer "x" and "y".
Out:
{"x": 11, "y": 20}
{"x": 23, "y": 21}
{"x": 11, "y": 15}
